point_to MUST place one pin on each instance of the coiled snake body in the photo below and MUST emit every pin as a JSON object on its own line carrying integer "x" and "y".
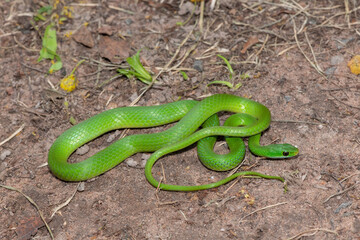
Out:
{"x": 254, "y": 119}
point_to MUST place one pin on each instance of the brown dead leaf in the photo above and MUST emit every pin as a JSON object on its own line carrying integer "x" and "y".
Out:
{"x": 106, "y": 30}
{"x": 28, "y": 227}
{"x": 250, "y": 42}
{"x": 115, "y": 51}
{"x": 83, "y": 36}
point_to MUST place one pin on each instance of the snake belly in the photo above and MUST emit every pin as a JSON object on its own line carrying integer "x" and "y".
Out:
{"x": 190, "y": 115}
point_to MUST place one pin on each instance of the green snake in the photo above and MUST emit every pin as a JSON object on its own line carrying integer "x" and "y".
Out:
{"x": 252, "y": 119}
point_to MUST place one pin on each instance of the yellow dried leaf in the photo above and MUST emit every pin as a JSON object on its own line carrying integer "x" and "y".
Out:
{"x": 354, "y": 65}
{"x": 69, "y": 83}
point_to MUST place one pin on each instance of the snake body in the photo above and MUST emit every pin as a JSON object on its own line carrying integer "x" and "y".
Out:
{"x": 190, "y": 115}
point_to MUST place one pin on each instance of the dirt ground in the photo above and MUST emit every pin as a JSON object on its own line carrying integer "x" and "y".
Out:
{"x": 291, "y": 56}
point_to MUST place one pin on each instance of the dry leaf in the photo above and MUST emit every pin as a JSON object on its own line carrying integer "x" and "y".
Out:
{"x": 354, "y": 65}
{"x": 83, "y": 36}
{"x": 250, "y": 42}
{"x": 115, "y": 51}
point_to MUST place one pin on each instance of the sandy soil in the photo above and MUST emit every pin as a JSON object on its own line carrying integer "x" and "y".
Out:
{"x": 303, "y": 79}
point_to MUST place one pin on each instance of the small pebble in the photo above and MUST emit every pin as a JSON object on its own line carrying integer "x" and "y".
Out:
{"x": 336, "y": 60}
{"x": 133, "y": 96}
{"x": 198, "y": 65}
{"x": 342, "y": 42}
{"x": 287, "y": 99}
{"x": 131, "y": 162}
{"x": 82, "y": 150}
{"x": 4, "y": 154}
{"x": 343, "y": 205}
{"x": 111, "y": 138}
{"x": 128, "y": 21}
{"x": 81, "y": 187}
{"x": 330, "y": 71}
{"x": 320, "y": 126}
{"x": 145, "y": 156}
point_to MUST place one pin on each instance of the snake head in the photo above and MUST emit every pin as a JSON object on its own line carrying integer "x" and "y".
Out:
{"x": 280, "y": 151}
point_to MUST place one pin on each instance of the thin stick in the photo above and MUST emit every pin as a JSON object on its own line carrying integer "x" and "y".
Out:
{"x": 13, "y": 135}
{"x": 260, "y": 209}
{"x": 306, "y": 57}
{"x": 33, "y": 203}
{"x": 312, "y": 51}
{"x": 263, "y": 46}
{"x": 121, "y": 10}
{"x": 163, "y": 172}
{"x": 293, "y": 121}
{"x": 344, "y": 102}
{"x": 315, "y": 230}
{"x": 65, "y": 203}
{"x": 347, "y": 17}
{"x": 357, "y": 173}
{"x": 201, "y": 20}
{"x": 341, "y": 192}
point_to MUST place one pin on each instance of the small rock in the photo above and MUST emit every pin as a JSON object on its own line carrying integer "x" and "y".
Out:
{"x": 81, "y": 187}
{"x": 287, "y": 99}
{"x": 343, "y": 205}
{"x": 320, "y": 126}
{"x": 4, "y": 154}
{"x": 198, "y": 65}
{"x": 111, "y": 138}
{"x": 330, "y": 71}
{"x": 131, "y": 162}
{"x": 83, "y": 150}
{"x": 133, "y": 96}
{"x": 342, "y": 42}
{"x": 336, "y": 60}
{"x": 145, "y": 156}
{"x": 143, "y": 163}
{"x": 106, "y": 30}
{"x": 129, "y": 21}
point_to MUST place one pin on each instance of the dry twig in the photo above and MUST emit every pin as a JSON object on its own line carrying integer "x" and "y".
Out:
{"x": 313, "y": 231}
{"x": 260, "y": 209}
{"x": 341, "y": 192}
{"x": 65, "y": 203}
{"x": 13, "y": 135}
{"x": 33, "y": 203}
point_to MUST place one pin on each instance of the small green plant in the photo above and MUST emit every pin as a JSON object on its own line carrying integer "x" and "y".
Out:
{"x": 184, "y": 75}
{"x": 49, "y": 46}
{"x": 43, "y": 12}
{"x": 56, "y": 14}
{"x": 136, "y": 69}
{"x": 231, "y": 73}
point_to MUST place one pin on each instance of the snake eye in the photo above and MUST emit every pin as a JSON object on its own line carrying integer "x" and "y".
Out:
{"x": 285, "y": 154}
